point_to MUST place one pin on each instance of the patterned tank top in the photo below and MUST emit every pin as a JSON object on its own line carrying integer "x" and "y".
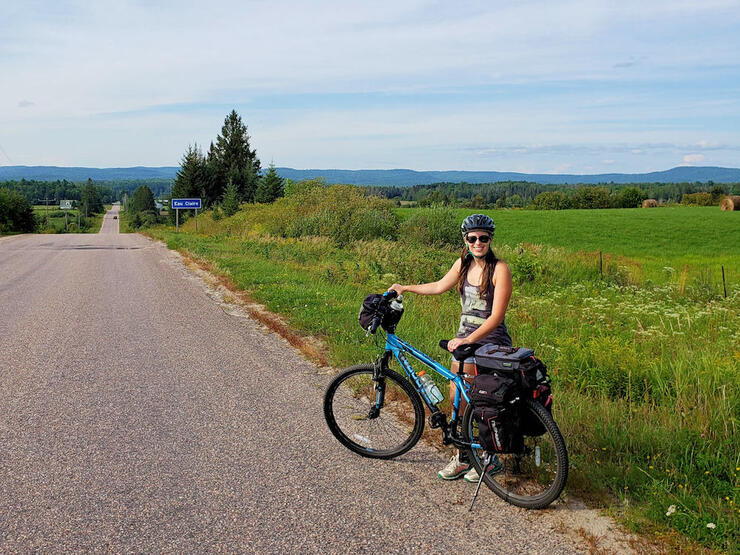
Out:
{"x": 475, "y": 311}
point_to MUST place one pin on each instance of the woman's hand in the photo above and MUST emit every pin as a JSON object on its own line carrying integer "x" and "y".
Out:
{"x": 397, "y": 288}
{"x": 456, "y": 342}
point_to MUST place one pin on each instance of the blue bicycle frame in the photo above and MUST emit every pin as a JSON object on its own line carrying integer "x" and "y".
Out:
{"x": 400, "y": 348}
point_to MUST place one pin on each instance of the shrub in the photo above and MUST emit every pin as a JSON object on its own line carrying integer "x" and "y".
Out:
{"x": 698, "y": 199}
{"x": 551, "y": 200}
{"x": 436, "y": 227}
{"x": 591, "y": 197}
{"x": 16, "y": 214}
{"x": 341, "y": 212}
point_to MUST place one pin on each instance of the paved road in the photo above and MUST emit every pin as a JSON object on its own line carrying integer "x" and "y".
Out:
{"x": 136, "y": 415}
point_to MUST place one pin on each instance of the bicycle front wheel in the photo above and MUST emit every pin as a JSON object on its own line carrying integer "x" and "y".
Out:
{"x": 533, "y": 477}
{"x": 380, "y": 430}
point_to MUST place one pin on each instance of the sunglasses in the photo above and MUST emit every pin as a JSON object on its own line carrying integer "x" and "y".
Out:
{"x": 473, "y": 238}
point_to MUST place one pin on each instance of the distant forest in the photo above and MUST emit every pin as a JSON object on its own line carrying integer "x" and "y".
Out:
{"x": 513, "y": 194}
{"x": 51, "y": 192}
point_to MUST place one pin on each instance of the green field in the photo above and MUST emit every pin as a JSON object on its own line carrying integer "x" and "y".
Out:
{"x": 644, "y": 354}
{"x": 52, "y": 220}
{"x": 702, "y": 237}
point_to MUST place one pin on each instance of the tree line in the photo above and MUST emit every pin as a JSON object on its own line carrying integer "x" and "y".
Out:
{"x": 523, "y": 194}
{"x": 16, "y": 210}
{"x": 229, "y": 174}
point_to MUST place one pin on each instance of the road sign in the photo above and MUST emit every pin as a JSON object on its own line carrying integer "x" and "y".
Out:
{"x": 186, "y": 203}
{"x": 65, "y": 204}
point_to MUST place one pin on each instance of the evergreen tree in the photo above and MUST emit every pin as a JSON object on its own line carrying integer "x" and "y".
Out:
{"x": 191, "y": 177}
{"x": 271, "y": 187}
{"x": 142, "y": 200}
{"x": 230, "y": 203}
{"x": 92, "y": 202}
{"x": 234, "y": 160}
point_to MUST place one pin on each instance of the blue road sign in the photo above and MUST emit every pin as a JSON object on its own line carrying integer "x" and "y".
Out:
{"x": 185, "y": 203}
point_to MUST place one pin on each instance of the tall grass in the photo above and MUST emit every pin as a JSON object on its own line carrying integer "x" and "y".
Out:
{"x": 645, "y": 370}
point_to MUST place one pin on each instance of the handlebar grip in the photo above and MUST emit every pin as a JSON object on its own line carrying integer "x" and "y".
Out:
{"x": 374, "y": 324}
{"x": 390, "y": 294}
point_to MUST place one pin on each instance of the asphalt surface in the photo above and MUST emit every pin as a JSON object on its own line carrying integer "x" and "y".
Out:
{"x": 136, "y": 415}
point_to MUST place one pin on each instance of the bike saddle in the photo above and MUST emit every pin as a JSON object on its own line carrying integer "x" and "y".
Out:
{"x": 462, "y": 352}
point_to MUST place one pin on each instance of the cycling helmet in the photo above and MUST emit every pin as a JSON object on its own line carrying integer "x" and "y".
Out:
{"x": 477, "y": 221}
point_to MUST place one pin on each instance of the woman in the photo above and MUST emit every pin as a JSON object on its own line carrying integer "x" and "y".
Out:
{"x": 484, "y": 283}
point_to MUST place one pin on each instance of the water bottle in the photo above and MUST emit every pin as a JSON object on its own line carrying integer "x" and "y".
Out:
{"x": 430, "y": 388}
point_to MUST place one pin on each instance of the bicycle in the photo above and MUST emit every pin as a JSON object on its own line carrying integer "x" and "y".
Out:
{"x": 376, "y": 412}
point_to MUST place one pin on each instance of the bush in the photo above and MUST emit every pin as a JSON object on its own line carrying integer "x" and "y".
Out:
{"x": 341, "y": 212}
{"x": 591, "y": 197}
{"x": 436, "y": 227}
{"x": 698, "y": 199}
{"x": 16, "y": 214}
{"x": 551, "y": 200}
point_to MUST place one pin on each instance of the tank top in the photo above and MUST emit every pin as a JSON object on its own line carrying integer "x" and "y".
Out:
{"x": 475, "y": 311}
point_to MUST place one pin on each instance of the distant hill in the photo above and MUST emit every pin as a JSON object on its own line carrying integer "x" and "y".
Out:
{"x": 400, "y": 177}
{"x": 403, "y": 178}
{"x": 52, "y": 173}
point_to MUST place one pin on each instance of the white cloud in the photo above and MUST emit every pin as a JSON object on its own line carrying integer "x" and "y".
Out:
{"x": 690, "y": 159}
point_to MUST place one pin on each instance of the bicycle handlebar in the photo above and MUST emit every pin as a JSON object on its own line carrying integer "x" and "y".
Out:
{"x": 382, "y": 307}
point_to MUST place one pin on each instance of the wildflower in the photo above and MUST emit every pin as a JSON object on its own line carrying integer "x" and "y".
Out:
{"x": 651, "y": 467}
{"x": 711, "y": 525}
{"x": 706, "y": 472}
{"x": 671, "y": 510}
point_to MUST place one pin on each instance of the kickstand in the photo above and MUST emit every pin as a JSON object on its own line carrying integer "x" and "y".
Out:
{"x": 484, "y": 466}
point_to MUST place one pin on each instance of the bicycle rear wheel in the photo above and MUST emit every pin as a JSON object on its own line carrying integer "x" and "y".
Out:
{"x": 532, "y": 478}
{"x": 381, "y": 432}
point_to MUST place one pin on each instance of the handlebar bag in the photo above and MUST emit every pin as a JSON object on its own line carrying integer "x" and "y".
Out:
{"x": 377, "y": 305}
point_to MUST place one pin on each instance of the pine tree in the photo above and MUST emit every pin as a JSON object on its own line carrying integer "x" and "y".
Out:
{"x": 230, "y": 203}
{"x": 271, "y": 186}
{"x": 234, "y": 160}
{"x": 191, "y": 177}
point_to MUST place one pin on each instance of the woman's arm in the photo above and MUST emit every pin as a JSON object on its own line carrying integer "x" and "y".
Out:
{"x": 434, "y": 288}
{"x": 501, "y": 296}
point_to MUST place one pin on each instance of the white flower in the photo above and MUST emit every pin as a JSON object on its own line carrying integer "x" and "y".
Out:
{"x": 671, "y": 510}
{"x": 711, "y": 525}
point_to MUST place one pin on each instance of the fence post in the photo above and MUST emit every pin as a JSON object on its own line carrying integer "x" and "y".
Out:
{"x": 724, "y": 285}
{"x": 601, "y": 265}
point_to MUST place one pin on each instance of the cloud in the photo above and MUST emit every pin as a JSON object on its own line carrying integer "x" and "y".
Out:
{"x": 26, "y": 104}
{"x": 693, "y": 159}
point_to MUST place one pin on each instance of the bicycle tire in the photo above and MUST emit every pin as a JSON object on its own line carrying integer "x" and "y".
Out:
{"x": 533, "y": 478}
{"x": 348, "y": 401}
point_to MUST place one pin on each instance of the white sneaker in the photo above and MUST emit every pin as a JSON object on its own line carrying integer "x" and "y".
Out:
{"x": 454, "y": 469}
{"x": 494, "y": 467}
{"x": 472, "y": 475}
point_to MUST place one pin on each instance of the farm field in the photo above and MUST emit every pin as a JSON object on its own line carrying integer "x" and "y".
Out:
{"x": 56, "y": 220}
{"x": 643, "y": 355}
{"x": 702, "y": 237}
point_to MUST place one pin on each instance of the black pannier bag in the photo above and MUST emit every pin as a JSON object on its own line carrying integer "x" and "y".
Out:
{"x": 495, "y": 403}
{"x": 372, "y": 305}
{"x": 530, "y": 374}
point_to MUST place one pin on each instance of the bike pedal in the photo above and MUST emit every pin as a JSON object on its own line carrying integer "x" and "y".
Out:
{"x": 437, "y": 420}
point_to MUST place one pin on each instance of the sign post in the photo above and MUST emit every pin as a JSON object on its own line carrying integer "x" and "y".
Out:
{"x": 65, "y": 205}
{"x": 185, "y": 204}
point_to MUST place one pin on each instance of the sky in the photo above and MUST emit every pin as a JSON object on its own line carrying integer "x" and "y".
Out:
{"x": 583, "y": 86}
